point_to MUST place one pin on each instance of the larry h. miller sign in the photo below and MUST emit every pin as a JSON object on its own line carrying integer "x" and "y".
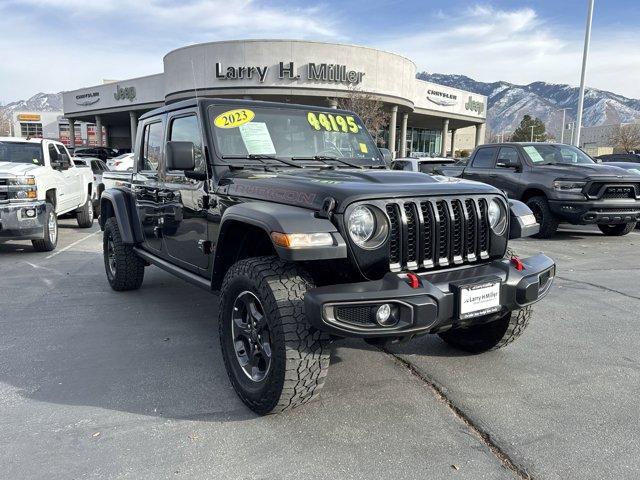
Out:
{"x": 319, "y": 72}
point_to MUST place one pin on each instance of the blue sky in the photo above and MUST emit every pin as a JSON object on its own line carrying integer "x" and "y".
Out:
{"x": 53, "y": 45}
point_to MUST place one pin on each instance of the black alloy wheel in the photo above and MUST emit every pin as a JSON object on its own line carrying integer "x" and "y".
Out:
{"x": 111, "y": 258}
{"x": 251, "y": 336}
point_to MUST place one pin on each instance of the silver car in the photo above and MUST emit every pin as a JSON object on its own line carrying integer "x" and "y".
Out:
{"x": 97, "y": 166}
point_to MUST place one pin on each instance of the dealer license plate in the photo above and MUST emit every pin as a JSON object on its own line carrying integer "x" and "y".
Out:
{"x": 480, "y": 299}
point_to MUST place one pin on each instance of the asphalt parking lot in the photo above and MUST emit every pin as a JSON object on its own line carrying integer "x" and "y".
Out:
{"x": 98, "y": 384}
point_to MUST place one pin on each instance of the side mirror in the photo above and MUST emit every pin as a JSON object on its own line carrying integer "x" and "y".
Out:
{"x": 508, "y": 163}
{"x": 522, "y": 221}
{"x": 386, "y": 154}
{"x": 180, "y": 156}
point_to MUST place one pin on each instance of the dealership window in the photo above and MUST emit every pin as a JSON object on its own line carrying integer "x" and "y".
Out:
{"x": 30, "y": 129}
{"x": 187, "y": 129}
{"x": 420, "y": 141}
{"x": 152, "y": 147}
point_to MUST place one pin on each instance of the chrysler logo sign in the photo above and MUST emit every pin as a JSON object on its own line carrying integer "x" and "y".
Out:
{"x": 86, "y": 99}
{"x": 443, "y": 99}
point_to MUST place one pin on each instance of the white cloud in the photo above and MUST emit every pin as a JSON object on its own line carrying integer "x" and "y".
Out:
{"x": 518, "y": 46}
{"x": 65, "y": 44}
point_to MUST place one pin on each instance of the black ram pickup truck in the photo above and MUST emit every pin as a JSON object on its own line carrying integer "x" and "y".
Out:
{"x": 559, "y": 183}
{"x": 290, "y": 214}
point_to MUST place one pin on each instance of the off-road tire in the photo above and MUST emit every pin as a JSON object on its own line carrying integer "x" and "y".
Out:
{"x": 617, "y": 230}
{"x": 46, "y": 244}
{"x": 545, "y": 217}
{"x": 85, "y": 215}
{"x": 128, "y": 268}
{"x": 300, "y": 353}
{"x": 489, "y": 336}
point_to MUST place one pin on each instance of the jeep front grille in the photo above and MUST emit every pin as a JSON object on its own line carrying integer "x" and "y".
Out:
{"x": 437, "y": 233}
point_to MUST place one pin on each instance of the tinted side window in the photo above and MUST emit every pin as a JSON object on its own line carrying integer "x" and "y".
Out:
{"x": 62, "y": 149}
{"x": 186, "y": 129}
{"x": 398, "y": 166}
{"x": 95, "y": 166}
{"x": 151, "y": 147}
{"x": 54, "y": 156}
{"x": 484, "y": 158}
{"x": 508, "y": 153}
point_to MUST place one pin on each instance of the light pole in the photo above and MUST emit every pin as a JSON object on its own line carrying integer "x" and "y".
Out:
{"x": 532, "y": 127}
{"x": 585, "y": 55}
{"x": 564, "y": 125}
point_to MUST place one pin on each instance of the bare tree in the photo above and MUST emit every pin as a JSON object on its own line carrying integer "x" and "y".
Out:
{"x": 626, "y": 137}
{"x": 368, "y": 108}
{"x": 5, "y": 122}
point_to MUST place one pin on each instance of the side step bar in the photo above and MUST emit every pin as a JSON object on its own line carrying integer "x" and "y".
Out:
{"x": 177, "y": 271}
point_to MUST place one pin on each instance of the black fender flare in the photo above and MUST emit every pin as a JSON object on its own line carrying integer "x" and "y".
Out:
{"x": 274, "y": 217}
{"x": 120, "y": 203}
{"x": 520, "y": 222}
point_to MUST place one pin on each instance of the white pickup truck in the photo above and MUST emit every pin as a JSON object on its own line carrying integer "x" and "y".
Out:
{"x": 39, "y": 182}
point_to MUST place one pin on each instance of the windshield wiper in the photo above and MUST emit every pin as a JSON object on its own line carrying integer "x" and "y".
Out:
{"x": 324, "y": 158}
{"x": 262, "y": 158}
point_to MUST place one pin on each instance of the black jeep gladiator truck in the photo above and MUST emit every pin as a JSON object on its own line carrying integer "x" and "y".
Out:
{"x": 559, "y": 183}
{"x": 290, "y": 214}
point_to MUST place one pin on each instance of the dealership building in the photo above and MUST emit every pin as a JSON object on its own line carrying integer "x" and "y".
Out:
{"x": 425, "y": 118}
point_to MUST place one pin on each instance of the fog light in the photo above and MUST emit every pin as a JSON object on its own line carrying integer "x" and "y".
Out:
{"x": 30, "y": 213}
{"x": 383, "y": 315}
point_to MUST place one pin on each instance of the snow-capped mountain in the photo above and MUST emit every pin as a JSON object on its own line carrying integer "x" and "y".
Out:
{"x": 40, "y": 102}
{"x": 508, "y": 103}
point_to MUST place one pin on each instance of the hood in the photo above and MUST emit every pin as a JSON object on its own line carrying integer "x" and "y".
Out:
{"x": 309, "y": 187}
{"x": 586, "y": 172}
{"x": 17, "y": 169}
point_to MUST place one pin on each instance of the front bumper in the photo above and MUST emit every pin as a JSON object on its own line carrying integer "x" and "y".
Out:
{"x": 431, "y": 307}
{"x": 16, "y": 225}
{"x": 593, "y": 212}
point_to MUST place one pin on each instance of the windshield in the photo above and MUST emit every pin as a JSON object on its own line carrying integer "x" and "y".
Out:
{"x": 556, "y": 155}
{"x": 21, "y": 152}
{"x": 291, "y": 133}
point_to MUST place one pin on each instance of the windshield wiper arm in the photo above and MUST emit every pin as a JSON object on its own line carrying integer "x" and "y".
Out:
{"x": 324, "y": 158}
{"x": 262, "y": 158}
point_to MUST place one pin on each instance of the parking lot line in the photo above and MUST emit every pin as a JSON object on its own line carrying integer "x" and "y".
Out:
{"x": 57, "y": 252}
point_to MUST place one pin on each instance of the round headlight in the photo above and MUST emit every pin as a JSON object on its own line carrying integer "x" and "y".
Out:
{"x": 21, "y": 194}
{"x": 497, "y": 217}
{"x": 361, "y": 225}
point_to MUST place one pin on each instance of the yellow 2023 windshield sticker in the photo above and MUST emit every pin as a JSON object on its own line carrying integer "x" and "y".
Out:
{"x": 332, "y": 123}
{"x": 234, "y": 118}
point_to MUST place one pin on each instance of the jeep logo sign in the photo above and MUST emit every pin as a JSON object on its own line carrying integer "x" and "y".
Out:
{"x": 128, "y": 93}
{"x": 474, "y": 106}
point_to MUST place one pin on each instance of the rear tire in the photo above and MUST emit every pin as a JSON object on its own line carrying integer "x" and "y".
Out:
{"x": 489, "y": 336}
{"x": 617, "y": 230}
{"x": 50, "y": 231}
{"x": 275, "y": 360}
{"x": 85, "y": 215}
{"x": 125, "y": 269}
{"x": 544, "y": 216}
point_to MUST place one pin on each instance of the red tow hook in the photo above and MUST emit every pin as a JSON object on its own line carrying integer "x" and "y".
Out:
{"x": 516, "y": 262}
{"x": 413, "y": 280}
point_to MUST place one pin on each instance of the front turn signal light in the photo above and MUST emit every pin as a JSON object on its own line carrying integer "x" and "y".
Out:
{"x": 302, "y": 240}
{"x": 32, "y": 194}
